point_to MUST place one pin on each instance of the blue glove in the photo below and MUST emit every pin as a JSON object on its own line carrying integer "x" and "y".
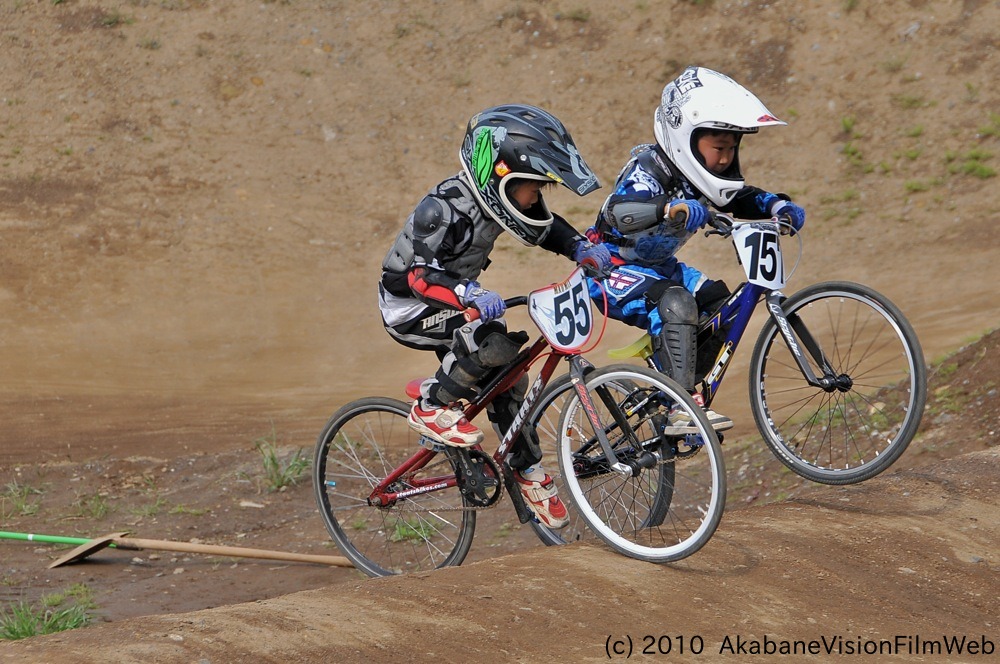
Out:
{"x": 695, "y": 211}
{"x": 796, "y": 215}
{"x": 654, "y": 249}
{"x": 594, "y": 257}
{"x": 776, "y": 206}
{"x": 490, "y": 305}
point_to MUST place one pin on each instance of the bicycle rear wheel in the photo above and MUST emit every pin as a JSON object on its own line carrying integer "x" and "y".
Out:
{"x": 360, "y": 446}
{"x": 671, "y": 501}
{"x": 853, "y": 432}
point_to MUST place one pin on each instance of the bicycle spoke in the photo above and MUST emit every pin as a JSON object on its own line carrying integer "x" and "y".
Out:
{"x": 363, "y": 444}
{"x": 858, "y": 429}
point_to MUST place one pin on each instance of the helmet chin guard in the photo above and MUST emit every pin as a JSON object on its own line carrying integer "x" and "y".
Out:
{"x": 699, "y": 100}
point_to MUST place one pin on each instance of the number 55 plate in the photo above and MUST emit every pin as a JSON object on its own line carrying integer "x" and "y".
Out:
{"x": 563, "y": 313}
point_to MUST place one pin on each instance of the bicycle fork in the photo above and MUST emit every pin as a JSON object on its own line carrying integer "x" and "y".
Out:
{"x": 578, "y": 370}
{"x": 790, "y": 327}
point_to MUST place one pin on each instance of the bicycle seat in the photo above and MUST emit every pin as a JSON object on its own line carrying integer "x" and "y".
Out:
{"x": 641, "y": 347}
{"x": 413, "y": 387}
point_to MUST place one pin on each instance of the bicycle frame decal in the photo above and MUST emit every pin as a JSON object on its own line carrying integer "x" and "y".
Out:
{"x": 562, "y": 312}
{"x": 721, "y": 362}
{"x": 734, "y": 317}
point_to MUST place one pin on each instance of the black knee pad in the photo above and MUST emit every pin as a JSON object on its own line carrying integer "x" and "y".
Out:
{"x": 677, "y": 306}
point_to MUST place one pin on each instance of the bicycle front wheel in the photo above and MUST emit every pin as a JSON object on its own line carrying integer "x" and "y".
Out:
{"x": 857, "y": 429}
{"x": 360, "y": 446}
{"x": 664, "y": 499}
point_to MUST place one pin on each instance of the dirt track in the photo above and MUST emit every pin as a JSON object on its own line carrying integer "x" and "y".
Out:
{"x": 194, "y": 200}
{"x": 898, "y": 559}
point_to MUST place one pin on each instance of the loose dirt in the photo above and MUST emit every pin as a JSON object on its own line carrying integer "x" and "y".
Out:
{"x": 194, "y": 201}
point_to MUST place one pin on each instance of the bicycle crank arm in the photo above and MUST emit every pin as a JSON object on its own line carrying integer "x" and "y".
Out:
{"x": 524, "y": 513}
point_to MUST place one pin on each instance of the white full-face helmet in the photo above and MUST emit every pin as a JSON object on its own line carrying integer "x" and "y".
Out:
{"x": 702, "y": 100}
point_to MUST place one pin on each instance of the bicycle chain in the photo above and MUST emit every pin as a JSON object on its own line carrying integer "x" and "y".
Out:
{"x": 411, "y": 507}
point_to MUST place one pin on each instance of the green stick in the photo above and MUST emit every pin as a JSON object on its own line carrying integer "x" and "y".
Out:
{"x": 48, "y": 539}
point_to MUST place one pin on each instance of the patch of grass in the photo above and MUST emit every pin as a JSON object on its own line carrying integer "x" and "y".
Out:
{"x": 80, "y": 593}
{"x": 114, "y": 19}
{"x": 847, "y": 124}
{"x": 947, "y": 369}
{"x": 947, "y": 399}
{"x": 910, "y": 102}
{"x": 893, "y": 65}
{"x": 914, "y": 132}
{"x": 971, "y": 163}
{"x": 993, "y": 128}
{"x": 19, "y": 499}
{"x": 280, "y": 473}
{"x": 150, "y": 44}
{"x": 192, "y": 511}
{"x": 22, "y": 620}
{"x": 152, "y": 509}
{"x": 578, "y": 15}
{"x": 94, "y": 507}
{"x": 913, "y": 186}
{"x": 410, "y": 530}
{"x": 853, "y": 155}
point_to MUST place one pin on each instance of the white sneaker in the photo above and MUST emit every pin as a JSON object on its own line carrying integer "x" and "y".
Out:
{"x": 681, "y": 422}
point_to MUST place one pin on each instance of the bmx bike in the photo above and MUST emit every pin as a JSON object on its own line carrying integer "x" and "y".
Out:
{"x": 397, "y": 502}
{"x": 837, "y": 381}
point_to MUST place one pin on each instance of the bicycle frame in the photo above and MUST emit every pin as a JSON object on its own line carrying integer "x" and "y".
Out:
{"x": 502, "y": 379}
{"x": 734, "y": 317}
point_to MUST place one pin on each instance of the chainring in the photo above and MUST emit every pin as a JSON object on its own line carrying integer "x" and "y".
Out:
{"x": 477, "y": 476}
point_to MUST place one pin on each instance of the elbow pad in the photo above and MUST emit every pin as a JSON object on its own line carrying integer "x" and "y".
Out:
{"x": 628, "y": 217}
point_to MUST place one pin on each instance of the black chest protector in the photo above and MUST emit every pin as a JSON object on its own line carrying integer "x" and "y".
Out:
{"x": 447, "y": 231}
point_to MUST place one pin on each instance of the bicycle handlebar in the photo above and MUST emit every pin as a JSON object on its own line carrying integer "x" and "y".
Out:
{"x": 472, "y": 313}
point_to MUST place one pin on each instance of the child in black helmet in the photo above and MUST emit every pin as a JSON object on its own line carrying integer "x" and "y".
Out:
{"x": 431, "y": 274}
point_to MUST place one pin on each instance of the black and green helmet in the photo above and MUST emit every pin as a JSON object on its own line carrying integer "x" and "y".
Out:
{"x": 506, "y": 143}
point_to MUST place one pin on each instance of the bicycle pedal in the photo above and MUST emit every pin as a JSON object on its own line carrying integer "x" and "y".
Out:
{"x": 475, "y": 473}
{"x": 431, "y": 444}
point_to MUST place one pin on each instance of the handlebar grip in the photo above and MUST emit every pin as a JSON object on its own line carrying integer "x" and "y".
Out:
{"x": 472, "y": 314}
{"x": 677, "y": 213}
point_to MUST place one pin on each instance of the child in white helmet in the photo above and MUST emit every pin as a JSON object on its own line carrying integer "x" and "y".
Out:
{"x": 699, "y": 124}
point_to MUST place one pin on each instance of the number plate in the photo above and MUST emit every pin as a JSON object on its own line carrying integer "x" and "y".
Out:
{"x": 760, "y": 253}
{"x": 563, "y": 312}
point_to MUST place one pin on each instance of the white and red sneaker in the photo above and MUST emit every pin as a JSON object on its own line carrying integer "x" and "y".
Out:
{"x": 542, "y": 498}
{"x": 445, "y": 425}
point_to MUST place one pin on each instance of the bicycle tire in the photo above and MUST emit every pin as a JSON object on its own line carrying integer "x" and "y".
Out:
{"x": 359, "y": 446}
{"x": 664, "y": 512}
{"x": 840, "y": 437}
